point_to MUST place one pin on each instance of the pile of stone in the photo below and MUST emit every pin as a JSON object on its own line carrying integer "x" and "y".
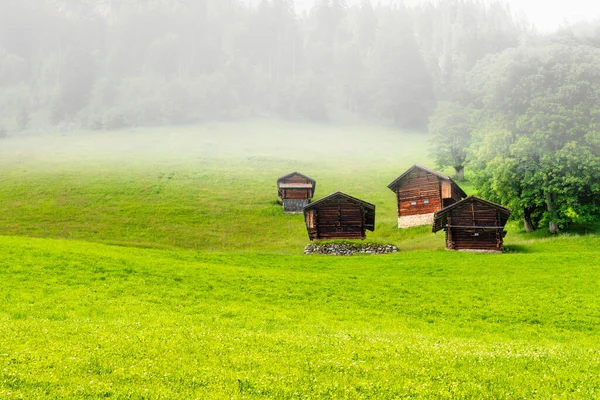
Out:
{"x": 349, "y": 249}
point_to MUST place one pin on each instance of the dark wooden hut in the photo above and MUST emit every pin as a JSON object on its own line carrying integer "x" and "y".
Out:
{"x": 473, "y": 224}
{"x": 420, "y": 192}
{"x": 339, "y": 216}
{"x": 295, "y": 191}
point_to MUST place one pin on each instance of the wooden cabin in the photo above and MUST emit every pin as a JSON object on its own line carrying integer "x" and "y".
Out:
{"x": 420, "y": 192}
{"x": 295, "y": 191}
{"x": 473, "y": 224}
{"x": 339, "y": 216}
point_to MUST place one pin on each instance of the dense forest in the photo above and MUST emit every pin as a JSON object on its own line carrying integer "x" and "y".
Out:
{"x": 123, "y": 63}
{"x": 518, "y": 108}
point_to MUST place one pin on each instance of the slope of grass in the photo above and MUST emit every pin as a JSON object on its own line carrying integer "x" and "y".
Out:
{"x": 200, "y": 188}
{"x": 211, "y": 188}
{"x": 195, "y": 286}
{"x": 90, "y": 320}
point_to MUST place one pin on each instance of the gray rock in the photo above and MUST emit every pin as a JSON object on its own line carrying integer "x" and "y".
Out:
{"x": 349, "y": 249}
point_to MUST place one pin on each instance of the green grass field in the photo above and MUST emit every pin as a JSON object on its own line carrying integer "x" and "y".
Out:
{"x": 157, "y": 264}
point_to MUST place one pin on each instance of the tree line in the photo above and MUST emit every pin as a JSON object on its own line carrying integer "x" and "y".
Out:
{"x": 529, "y": 128}
{"x": 107, "y": 65}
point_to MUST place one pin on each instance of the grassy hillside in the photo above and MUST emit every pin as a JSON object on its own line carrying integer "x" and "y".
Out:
{"x": 211, "y": 188}
{"x": 156, "y": 264}
{"x": 90, "y": 320}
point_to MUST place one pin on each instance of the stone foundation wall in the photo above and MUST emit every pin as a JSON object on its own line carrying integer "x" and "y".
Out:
{"x": 294, "y": 206}
{"x": 415, "y": 220}
{"x": 348, "y": 249}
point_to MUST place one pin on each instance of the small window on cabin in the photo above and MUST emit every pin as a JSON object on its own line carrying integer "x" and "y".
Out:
{"x": 425, "y": 201}
{"x": 413, "y": 203}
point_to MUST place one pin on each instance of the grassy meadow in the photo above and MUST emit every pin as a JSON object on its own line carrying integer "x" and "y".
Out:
{"x": 157, "y": 264}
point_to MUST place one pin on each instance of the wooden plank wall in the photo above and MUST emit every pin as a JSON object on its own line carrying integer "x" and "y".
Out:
{"x": 471, "y": 228}
{"x": 311, "y": 223}
{"x": 296, "y": 194}
{"x": 417, "y": 187}
{"x": 456, "y": 195}
{"x": 464, "y": 239}
{"x": 446, "y": 190}
{"x": 450, "y": 193}
{"x": 338, "y": 219}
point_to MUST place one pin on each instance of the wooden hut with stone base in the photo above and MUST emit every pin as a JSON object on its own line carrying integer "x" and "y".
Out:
{"x": 295, "y": 191}
{"x": 473, "y": 224}
{"x": 339, "y": 216}
{"x": 420, "y": 192}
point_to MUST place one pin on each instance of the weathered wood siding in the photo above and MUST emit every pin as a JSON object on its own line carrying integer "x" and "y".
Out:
{"x": 450, "y": 193}
{"x": 419, "y": 193}
{"x": 339, "y": 217}
{"x": 339, "y": 220}
{"x": 296, "y": 194}
{"x": 311, "y": 223}
{"x": 305, "y": 189}
{"x": 474, "y": 226}
{"x": 446, "y": 189}
{"x": 476, "y": 239}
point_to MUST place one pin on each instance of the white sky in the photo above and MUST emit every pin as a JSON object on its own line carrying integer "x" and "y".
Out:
{"x": 549, "y": 15}
{"x": 546, "y": 15}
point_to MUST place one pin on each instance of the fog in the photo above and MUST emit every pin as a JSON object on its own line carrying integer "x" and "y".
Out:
{"x": 239, "y": 144}
{"x": 106, "y": 65}
{"x": 506, "y": 91}
{"x": 546, "y": 16}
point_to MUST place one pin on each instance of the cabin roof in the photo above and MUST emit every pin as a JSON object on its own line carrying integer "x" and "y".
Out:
{"x": 440, "y": 219}
{"x": 340, "y": 194}
{"x": 397, "y": 181}
{"x": 297, "y": 174}
{"x": 370, "y": 208}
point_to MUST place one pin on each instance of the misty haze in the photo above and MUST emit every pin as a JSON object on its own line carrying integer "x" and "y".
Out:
{"x": 299, "y": 199}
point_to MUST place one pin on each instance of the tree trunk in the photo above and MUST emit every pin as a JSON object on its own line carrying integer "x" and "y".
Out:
{"x": 552, "y": 226}
{"x": 460, "y": 173}
{"x": 527, "y": 220}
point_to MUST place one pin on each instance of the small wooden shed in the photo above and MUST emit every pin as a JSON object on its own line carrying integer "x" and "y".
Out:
{"x": 473, "y": 224}
{"x": 420, "y": 192}
{"x": 295, "y": 191}
{"x": 339, "y": 216}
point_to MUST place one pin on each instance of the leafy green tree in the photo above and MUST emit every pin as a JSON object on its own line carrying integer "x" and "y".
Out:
{"x": 506, "y": 172}
{"x": 545, "y": 159}
{"x": 450, "y": 126}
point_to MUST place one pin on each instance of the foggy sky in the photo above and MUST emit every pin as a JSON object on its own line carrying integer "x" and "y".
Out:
{"x": 549, "y": 15}
{"x": 546, "y": 15}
